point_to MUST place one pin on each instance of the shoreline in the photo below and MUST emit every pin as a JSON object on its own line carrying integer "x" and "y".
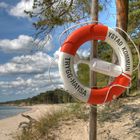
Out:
{"x": 126, "y": 118}
{"x": 24, "y": 109}
{"x": 9, "y": 126}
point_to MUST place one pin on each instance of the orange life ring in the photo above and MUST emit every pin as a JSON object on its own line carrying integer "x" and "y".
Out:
{"x": 66, "y": 61}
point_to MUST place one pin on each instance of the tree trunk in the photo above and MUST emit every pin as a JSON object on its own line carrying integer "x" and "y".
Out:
{"x": 122, "y": 15}
{"x": 121, "y": 22}
{"x": 93, "y": 78}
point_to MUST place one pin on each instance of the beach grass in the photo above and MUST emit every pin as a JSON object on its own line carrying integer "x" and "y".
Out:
{"x": 44, "y": 128}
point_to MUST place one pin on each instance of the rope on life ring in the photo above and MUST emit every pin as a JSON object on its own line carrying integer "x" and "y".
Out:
{"x": 66, "y": 62}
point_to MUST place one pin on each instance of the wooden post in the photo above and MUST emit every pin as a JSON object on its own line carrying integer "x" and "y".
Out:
{"x": 93, "y": 78}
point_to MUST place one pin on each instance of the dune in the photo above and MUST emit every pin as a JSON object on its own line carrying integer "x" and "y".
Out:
{"x": 121, "y": 123}
{"x": 9, "y": 126}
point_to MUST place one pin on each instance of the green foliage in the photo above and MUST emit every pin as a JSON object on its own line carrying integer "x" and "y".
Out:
{"x": 104, "y": 51}
{"x": 134, "y": 19}
{"x": 83, "y": 74}
{"x": 134, "y": 82}
{"x": 134, "y": 30}
{"x": 52, "y": 13}
{"x": 48, "y": 97}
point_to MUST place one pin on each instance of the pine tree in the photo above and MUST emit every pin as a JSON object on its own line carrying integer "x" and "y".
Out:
{"x": 52, "y": 13}
{"x": 134, "y": 27}
{"x": 134, "y": 20}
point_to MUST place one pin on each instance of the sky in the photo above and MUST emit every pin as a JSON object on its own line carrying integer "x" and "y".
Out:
{"x": 27, "y": 68}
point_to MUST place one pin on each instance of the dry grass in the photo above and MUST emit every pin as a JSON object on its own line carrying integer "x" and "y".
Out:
{"x": 43, "y": 129}
{"x": 110, "y": 113}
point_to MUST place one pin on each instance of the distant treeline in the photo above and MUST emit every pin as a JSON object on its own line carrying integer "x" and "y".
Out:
{"x": 48, "y": 97}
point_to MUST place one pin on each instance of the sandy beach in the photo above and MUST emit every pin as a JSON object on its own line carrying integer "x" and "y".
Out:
{"x": 9, "y": 126}
{"x": 123, "y": 123}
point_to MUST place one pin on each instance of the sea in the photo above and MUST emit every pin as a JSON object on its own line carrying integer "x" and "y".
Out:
{"x": 9, "y": 111}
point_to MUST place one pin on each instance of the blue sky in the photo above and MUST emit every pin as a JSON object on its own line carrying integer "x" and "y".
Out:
{"x": 23, "y": 72}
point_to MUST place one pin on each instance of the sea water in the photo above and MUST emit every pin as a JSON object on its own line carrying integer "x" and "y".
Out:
{"x": 8, "y": 111}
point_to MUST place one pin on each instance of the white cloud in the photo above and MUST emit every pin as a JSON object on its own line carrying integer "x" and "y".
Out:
{"x": 56, "y": 54}
{"x": 3, "y": 5}
{"x": 36, "y": 63}
{"x": 84, "y": 53}
{"x": 19, "y": 9}
{"x": 29, "y": 76}
{"x": 22, "y": 43}
{"x": 36, "y": 83}
{"x": 25, "y": 44}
